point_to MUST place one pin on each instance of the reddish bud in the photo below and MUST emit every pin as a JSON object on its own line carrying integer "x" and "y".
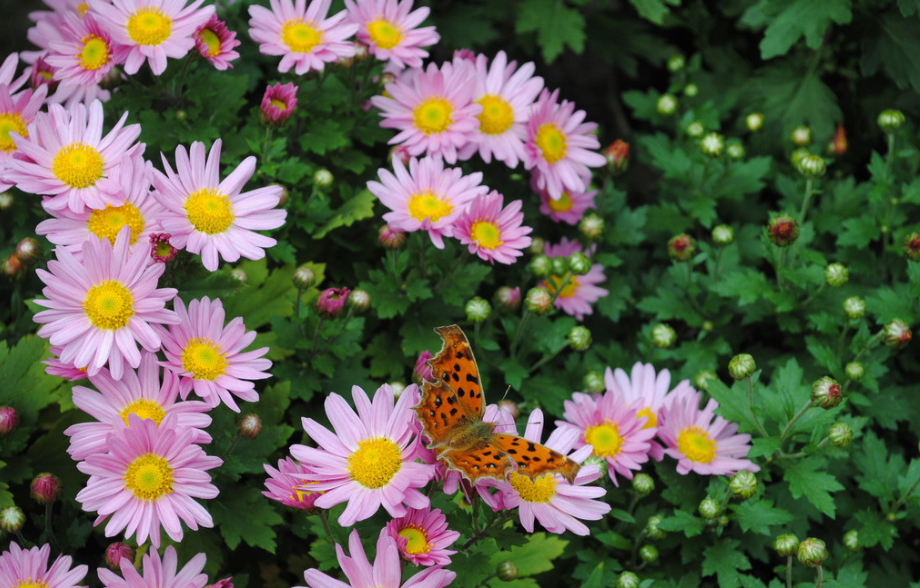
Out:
{"x": 9, "y": 420}
{"x": 617, "y": 155}
{"x": 46, "y": 488}
{"x": 29, "y": 251}
{"x": 331, "y": 301}
{"x": 161, "y": 250}
{"x": 783, "y": 230}
{"x": 13, "y": 268}
{"x": 681, "y": 247}
{"x": 391, "y": 238}
{"x": 249, "y": 426}
{"x": 116, "y": 552}
{"x": 911, "y": 247}
{"x": 839, "y": 143}
{"x": 278, "y": 103}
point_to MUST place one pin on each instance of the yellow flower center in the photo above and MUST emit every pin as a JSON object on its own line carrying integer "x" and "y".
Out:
{"x": 496, "y": 116}
{"x": 432, "y": 115}
{"x": 149, "y": 477}
{"x": 375, "y": 462}
{"x": 204, "y": 358}
{"x": 543, "y": 489}
{"x": 553, "y": 282}
{"x": 551, "y": 141}
{"x": 300, "y": 36}
{"x": 384, "y": 34}
{"x": 149, "y": 26}
{"x": 416, "y": 539}
{"x": 209, "y": 211}
{"x": 95, "y": 52}
{"x": 486, "y": 234}
{"x": 109, "y": 305}
{"x": 11, "y": 122}
{"x": 300, "y": 493}
{"x": 279, "y": 104}
{"x": 78, "y": 165}
{"x": 605, "y": 438}
{"x": 109, "y": 221}
{"x": 144, "y": 408}
{"x": 164, "y": 248}
{"x": 651, "y": 421}
{"x": 30, "y": 583}
{"x": 426, "y": 204}
{"x": 210, "y": 38}
{"x": 696, "y": 444}
{"x": 82, "y": 8}
{"x": 564, "y": 204}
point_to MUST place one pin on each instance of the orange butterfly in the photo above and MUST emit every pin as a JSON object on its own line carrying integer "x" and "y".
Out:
{"x": 451, "y": 413}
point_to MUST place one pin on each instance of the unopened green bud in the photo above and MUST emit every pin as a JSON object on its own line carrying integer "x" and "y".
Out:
{"x": 591, "y": 226}
{"x": 541, "y": 265}
{"x": 6, "y": 200}
{"x": 507, "y": 571}
{"x": 579, "y": 263}
{"x": 826, "y": 392}
{"x": 560, "y": 266}
{"x": 701, "y": 379}
{"x": 397, "y": 387}
{"x": 648, "y": 553}
{"x": 539, "y": 301}
{"x": 695, "y": 129}
{"x": 891, "y": 120}
{"x": 786, "y": 544}
{"x": 851, "y": 540}
{"x": 663, "y": 336}
{"x": 323, "y": 178}
{"x": 811, "y": 552}
{"x": 836, "y": 275}
{"x": 712, "y": 145}
{"x": 754, "y": 121}
{"x": 12, "y": 519}
{"x": 676, "y": 63}
{"x": 478, "y": 309}
{"x": 627, "y": 580}
{"x": 854, "y": 307}
{"x": 537, "y": 245}
{"x": 240, "y": 275}
{"x": 735, "y": 150}
{"x": 855, "y": 370}
{"x": 579, "y": 338}
{"x": 897, "y": 334}
{"x": 812, "y": 166}
{"x": 651, "y": 528}
{"x": 691, "y": 90}
{"x": 643, "y": 484}
{"x": 304, "y": 277}
{"x": 709, "y": 508}
{"x": 594, "y": 382}
{"x": 743, "y": 485}
{"x": 742, "y": 366}
{"x": 723, "y": 235}
{"x": 840, "y": 435}
{"x": 801, "y": 136}
{"x": 797, "y": 155}
{"x": 667, "y": 105}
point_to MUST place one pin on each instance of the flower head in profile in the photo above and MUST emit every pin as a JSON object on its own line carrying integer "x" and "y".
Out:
{"x": 576, "y": 293}
{"x": 157, "y": 573}
{"x": 568, "y": 208}
{"x": 390, "y": 29}
{"x": 215, "y": 43}
{"x": 423, "y": 537}
{"x": 278, "y": 103}
{"x": 492, "y": 232}
{"x": 85, "y": 52}
{"x": 369, "y": 459}
{"x": 286, "y": 485}
{"x": 212, "y": 217}
{"x": 302, "y": 34}
{"x": 16, "y": 113}
{"x": 56, "y": 367}
{"x": 25, "y": 568}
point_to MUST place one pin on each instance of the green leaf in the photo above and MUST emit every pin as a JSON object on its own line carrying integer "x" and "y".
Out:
{"x": 759, "y": 516}
{"x": 875, "y": 530}
{"x": 274, "y": 297}
{"x": 555, "y": 24}
{"x": 681, "y": 520}
{"x": 744, "y": 177}
{"x": 805, "y": 480}
{"x": 896, "y": 49}
{"x": 858, "y": 231}
{"x": 245, "y": 515}
{"x": 358, "y": 207}
{"x": 794, "y": 96}
{"x": 323, "y": 134}
{"x": 878, "y": 468}
{"x": 746, "y": 285}
{"x": 724, "y": 560}
{"x": 533, "y": 557}
{"x": 654, "y": 10}
{"x": 803, "y": 18}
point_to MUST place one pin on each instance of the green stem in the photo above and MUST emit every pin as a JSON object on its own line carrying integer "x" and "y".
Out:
{"x": 230, "y": 448}
{"x": 820, "y": 579}
{"x": 815, "y": 295}
{"x": 325, "y": 522}
{"x": 903, "y": 499}
{"x": 780, "y": 260}
{"x": 797, "y": 416}
{"x": 48, "y": 527}
{"x": 760, "y": 428}
{"x": 518, "y": 332}
{"x": 789, "y": 571}
{"x": 799, "y": 454}
{"x": 546, "y": 357}
{"x": 809, "y": 190}
{"x": 482, "y": 534}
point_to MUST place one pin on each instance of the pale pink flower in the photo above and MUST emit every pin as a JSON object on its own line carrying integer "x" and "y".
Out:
{"x": 302, "y": 34}
{"x": 568, "y": 208}
{"x": 287, "y": 485}
{"x": 216, "y": 43}
{"x": 85, "y": 53}
{"x": 24, "y": 568}
{"x": 56, "y": 367}
{"x": 8, "y": 74}
{"x": 423, "y": 537}
{"x": 492, "y": 232}
{"x": 576, "y": 296}
{"x": 16, "y": 114}
{"x": 157, "y": 573}
{"x": 390, "y": 30}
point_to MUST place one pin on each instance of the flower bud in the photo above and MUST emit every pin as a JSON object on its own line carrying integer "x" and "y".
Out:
{"x": 331, "y": 301}
{"x": 12, "y": 519}
{"x": 854, "y": 307}
{"x": 754, "y": 121}
{"x": 663, "y": 336}
{"x": 6, "y": 200}
{"x": 285, "y": 194}
{"x": 225, "y": 583}
{"x": 116, "y": 552}
{"x": 712, "y": 145}
{"x": 591, "y": 226}
{"x": 401, "y": 154}
{"x": 709, "y": 508}
{"x": 391, "y": 238}
{"x": 652, "y": 531}
{"x": 838, "y": 145}
{"x": 627, "y": 580}
{"x": 826, "y": 392}
{"x": 594, "y": 382}
{"x": 559, "y": 265}
{"x": 12, "y": 267}
{"x": 359, "y": 300}
{"x": 239, "y": 274}
{"x": 701, "y": 379}
{"x": 397, "y": 387}
{"x": 742, "y": 366}
{"x": 249, "y": 426}
{"x": 579, "y": 264}
{"x": 786, "y": 544}
{"x": 579, "y": 338}
{"x": 840, "y": 435}
{"x": 617, "y": 155}
{"x": 45, "y": 488}
{"x": 648, "y": 553}
{"x": 796, "y": 157}
{"x": 681, "y": 247}
{"x": 676, "y": 63}
{"x": 29, "y": 251}
{"x": 161, "y": 250}
{"x": 667, "y": 105}
{"x": 695, "y": 129}
{"x": 812, "y": 166}
{"x": 723, "y": 235}
{"x": 541, "y": 265}
{"x": 800, "y": 136}
{"x": 477, "y": 309}
{"x": 507, "y": 298}
{"x": 323, "y": 178}
{"x": 507, "y": 571}
{"x": 691, "y": 90}
{"x": 735, "y": 150}
{"x": 836, "y": 275}
{"x": 304, "y": 277}
{"x": 743, "y": 484}
{"x": 891, "y": 120}
{"x": 851, "y": 540}
{"x": 643, "y": 484}
{"x": 278, "y": 103}
{"x": 911, "y": 247}
{"x": 855, "y": 370}
{"x": 811, "y": 552}
{"x": 539, "y": 301}
{"x": 9, "y": 420}
{"x": 783, "y": 230}
{"x": 509, "y": 407}
{"x": 897, "y": 334}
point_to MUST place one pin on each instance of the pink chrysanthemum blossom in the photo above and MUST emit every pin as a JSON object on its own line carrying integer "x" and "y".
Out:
{"x": 42, "y": 74}
{"x": 8, "y": 74}
{"x": 385, "y": 573}
{"x": 568, "y": 208}
{"x": 25, "y": 568}
{"x": 161, "y": 250}
{"x": 426, "y": 197}
{"x": 389, "y": 29}
{"x": 215, "y": 42}
{"x": 423, "y": 537}
{"x": 550, "y": 499}
{"x": 699, "y": 440}
{"x": 56, "y": 367}
{"x": 302, "y": 34}
{"x": 560, "y": 147}
{"x": 68, "y": 159}
{"x": 492, "y": 232}
{"x": 287, "y": 486}
{"x": 151, "y": 29}
{"x": 157, "y": 573}
{"x": 102, "y": 307}
{"x": 208, "y": 216}
{"x": 576, "y": 296}
{"x": 209, "y": 356}
{"x": 139, "y": 393}
{"x": 612, "y": 427}
{"x": 16, "y": 113}
{"x": 507, "y": 94}
{"x": 432, "y": 109}
{"x": 369, "y": 461}
{"x": 85, "y": 52}
{"x": 278, "y": 103}
{"x": 148, "y": 480}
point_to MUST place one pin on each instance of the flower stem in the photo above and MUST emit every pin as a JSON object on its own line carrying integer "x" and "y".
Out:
{"x": 513, "y": 348}
{"x": 325, "y": 522}
{"x": 819, "y": 581}
{"x": 798, "y": 415}
{"x": 789, "y": 571}
{"x": 809, "y": 190}
{"x": 546, "y": 357}
{"x": 760, "y": 428}
{"x": 903, "y": 499}
{"x": 48, "y": 527}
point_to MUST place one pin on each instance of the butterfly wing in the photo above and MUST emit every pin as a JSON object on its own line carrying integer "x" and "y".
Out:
{"x": 533, "y": 459}
{"x": 485, "y": 459}
{"x": 456, "y": 366}
{"x": 441, "y": 413}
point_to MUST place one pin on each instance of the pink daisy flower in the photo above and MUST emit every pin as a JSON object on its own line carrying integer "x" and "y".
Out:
{"x": 278, "y": 103}
{"x": 101, "y": 308}
{"x": 507, "y": 94}
{"x": 29, "y": 567}
{"x": 423, "y": 537}
{"x": 550, "y": 499}
{"x": 152, "y": 30}
{"x": 67, "y": 158}
{"x": 216, "y": 43}
{"x": 426, "y": 197}
{"x": 369, "y": 461}
{"x": 139, "y": 393}
{"x": 390, "y": 30}
{"x": 157, "y": 573}
{"x": 85, "y": 52}
{"x": 568, "y": 208}
{"x": 209, "y": 356}
{"x": 56, "y": 367}
{"x": 492, "y": 232}
{"x": 612, "y": 428}
{"x": 286, "y": 485}
{"x": 576, "y": 296}
{"x": 385, "y": 573}
{"x": 699, "y": 440}
{"x": 42, "y": 74}
{"x": 302, "y": 34}
{"x": 16, "y": 113}
{"x": 208, "y": 216}
{"x": 559, "y": 146}
{"x": 148, "y": 480}
{"x": 432, "y": 109}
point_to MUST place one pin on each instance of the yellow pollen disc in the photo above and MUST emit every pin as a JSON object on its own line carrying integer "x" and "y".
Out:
{"x": 416, "y": 539}
{"x": 300, "y": 493}
{"x": 144, "y": 408}
{"x": 210, "y": 39}
{"x": 82, "y": 8}
{"x": 279, "y": 104}
{"x": 552, "y": 142}
{"x": 30, "y": 583}
{"x": 605, "y": 439}
{"x": 300, "y": 36}
{"x": 496, "y": 116}
{"x": 696, "y": 444}
{"x": 78, "y": 165}
{"x": 553, "y": 282}
{"x": 209, "y": 211}
{"x": 543, "y": 489}
{"x": 164, "y": 248}
{"x": 375, "y": 462}
{"x": 95, "y": 52}
{"x": 204, "y": 358}
{"x": 109, "y": 221}
{"x": 384, "y": 34}
{"x": 426, "y": 204}
{"x": 486, "y": 234}
{"x": 433, "y": 115}
{"x": 564, "y": 204}
{"x": 149, "y": 26}
{"x": 651, "y": 421}
{"x": 11, "y": 122}
{"x": 149, "y": 477}
{"x": 109, "y": 305}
